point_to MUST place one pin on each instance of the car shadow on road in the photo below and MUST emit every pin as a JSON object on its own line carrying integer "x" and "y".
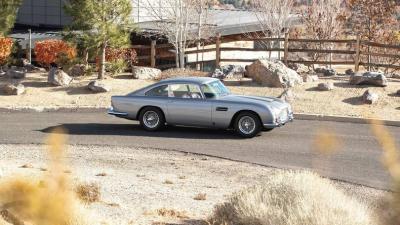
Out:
{"x": 135, "y": 130}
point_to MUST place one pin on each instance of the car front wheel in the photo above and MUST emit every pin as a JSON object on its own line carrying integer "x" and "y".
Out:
{"x": 152, "y": 119}
{"x": 247, "y": 125}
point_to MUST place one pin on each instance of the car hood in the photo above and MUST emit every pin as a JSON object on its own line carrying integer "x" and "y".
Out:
{"x": 270, "y": 101}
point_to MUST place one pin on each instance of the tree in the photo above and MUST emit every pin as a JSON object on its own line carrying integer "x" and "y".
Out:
{"x": 8, "y": 15}
{"x": 181, "y": 22}
{"x": 273, "y": 16}
{"x": 100, "y": 24}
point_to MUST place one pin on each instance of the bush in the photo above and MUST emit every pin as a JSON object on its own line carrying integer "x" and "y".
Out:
{"x": 88, "y": 192}
{"x": 6, "y": 45}
{"x": 54, "y": 51}
{"x": 292, "y": 198}
{"x": 118, "y": 59}
{"x": 116, "y": 67}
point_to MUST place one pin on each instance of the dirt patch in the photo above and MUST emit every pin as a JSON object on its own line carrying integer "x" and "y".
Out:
{"x": 344, "y": 100}
{"x": 134, "y": 192}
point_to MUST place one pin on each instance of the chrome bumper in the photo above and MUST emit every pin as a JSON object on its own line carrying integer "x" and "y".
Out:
{"x": 280, "y": 123}
{"x": 111, "y": 111}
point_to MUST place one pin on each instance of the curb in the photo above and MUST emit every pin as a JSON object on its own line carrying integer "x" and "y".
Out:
{"x": 344, "y": 119}
{"x": 297, "y": 116}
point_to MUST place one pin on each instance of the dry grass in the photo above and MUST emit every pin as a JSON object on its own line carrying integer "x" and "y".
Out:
{"x": 200, "y": 197}
{"x": 292, "y": 198}
{"x": 88, "y": 192}
{"x": 27, "y": 166}
{"x": 172, "y": 73}
{"x": 168, "y": 182}
{"x": 101, "y": 174}
{"x": 45, "y": 201}
{"x": 172, "y": 213}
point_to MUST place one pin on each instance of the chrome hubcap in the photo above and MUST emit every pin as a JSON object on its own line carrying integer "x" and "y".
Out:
{"x": 151, "y": 119}
{"x": 247, "y": 125}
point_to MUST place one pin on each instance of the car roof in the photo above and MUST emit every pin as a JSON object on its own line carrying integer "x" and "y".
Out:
{"x": 196, "y": 80}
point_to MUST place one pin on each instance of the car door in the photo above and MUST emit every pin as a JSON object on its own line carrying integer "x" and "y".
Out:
{"x": 187, "y": 106}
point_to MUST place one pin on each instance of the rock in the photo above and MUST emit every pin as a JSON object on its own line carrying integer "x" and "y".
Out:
{"x": 16, "y": 73}
{"x": 273, "y": 74}
{"x": 310, "y": 78}
{"x": 287, "y": 95}
{"x": 396, "y": 75}
{"x": 370, "y": 97}
{"x": 325, "y": 86}
{"x": 77, "y": 70}
{"x": 229, "y": 71}
{"x": 97, "y": 87}
{"x": 299, "y": 68}
{"x": 145, "y": 73}
{"x": 398, "y": 93}
{"x": 58, "y": 77}
{"x": 349, "y": 72}
{"x": 327, "y": 72}
{"x": 13, "y": 89}
{"x": 369, "y": 78}
{"x": 218, "y": 74}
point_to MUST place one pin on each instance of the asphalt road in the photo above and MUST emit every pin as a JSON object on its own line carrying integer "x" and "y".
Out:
{"x": 358, "y": 159}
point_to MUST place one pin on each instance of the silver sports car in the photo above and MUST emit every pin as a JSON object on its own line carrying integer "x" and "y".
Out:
{"x": 200, "y": 102}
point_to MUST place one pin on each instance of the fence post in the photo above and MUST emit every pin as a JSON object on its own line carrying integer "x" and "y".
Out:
{"x": 357, "y": 59}
{"x": 153, "y": 53}
{"x": 286, "y": 46}
{"x": 218, "y": 51}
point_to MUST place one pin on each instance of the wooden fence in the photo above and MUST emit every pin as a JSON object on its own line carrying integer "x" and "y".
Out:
{"x": 358, "y": 52}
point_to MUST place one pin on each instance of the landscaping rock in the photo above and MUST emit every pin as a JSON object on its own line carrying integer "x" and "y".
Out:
{"x": 299, "y": 68}
{"x": 273, "y": 74}
{"x": 229, "y": 71}
{"x": 349, "y": 72}
{"x": 327, "y": 72}
{"x": 97, "y": 87}
{"x": 325, "y": 86}
{"x": 77, "y": 70}
{"x": 58, "y": 77}
{"x": 145, "y": 73}
{"x": 396, "y": 75}
{"x": 13, "y": 89}
{"x": 287, "y": 96}
{"x": 218, "y": 74}
{"x": 16, "y": 73}
{"x": 310, "y": 78}
{"x": 398, "y": 93}
{"x": 369, "y": 78}
{"x": 370, "y": 97}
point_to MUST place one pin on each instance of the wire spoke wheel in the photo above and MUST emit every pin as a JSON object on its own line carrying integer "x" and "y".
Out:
{"x": 151, "y": 119}
{"x": 247, "y": 125}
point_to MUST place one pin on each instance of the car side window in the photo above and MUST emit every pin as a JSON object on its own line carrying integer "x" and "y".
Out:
{"x": 184, "y": 91}
{"x": 160, "y": 91}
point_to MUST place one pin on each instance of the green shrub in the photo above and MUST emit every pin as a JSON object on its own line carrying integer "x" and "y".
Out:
{"x": 116, "y": 67}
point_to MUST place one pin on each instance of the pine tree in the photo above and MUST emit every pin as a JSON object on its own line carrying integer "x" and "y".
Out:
{"x": 8, "y": 15}
{"x": 100, "y": 24}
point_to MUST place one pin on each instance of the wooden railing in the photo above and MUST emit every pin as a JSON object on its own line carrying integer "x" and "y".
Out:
{"x": 356, "y": 49}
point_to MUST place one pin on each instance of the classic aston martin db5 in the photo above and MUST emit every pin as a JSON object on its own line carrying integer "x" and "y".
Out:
{"x": 200, "y": 102}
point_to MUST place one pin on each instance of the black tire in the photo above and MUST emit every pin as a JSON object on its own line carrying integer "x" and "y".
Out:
{"x": 253, "y": 131}
{"x": 157, "y": 114}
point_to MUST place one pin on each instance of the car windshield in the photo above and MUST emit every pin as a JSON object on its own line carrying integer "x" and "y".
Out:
{"x": 214, "y": 89}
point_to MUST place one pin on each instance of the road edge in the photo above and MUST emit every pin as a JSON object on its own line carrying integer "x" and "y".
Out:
{"x": 298, "y": 116}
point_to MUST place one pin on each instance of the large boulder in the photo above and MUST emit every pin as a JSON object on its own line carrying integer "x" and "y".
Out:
{"x": 273, "y": 74}
{"x": 398, "y": 93}
{"x": 14, "y": 89}
{"x": 370, "y": 97}
{"x": 299, "y": 68}
{"x": 77, "y": 70}
{"x": 349, "y": 72}
{"x": 58, "y": 77}
{"x": 310, "y": 78}
{"x": 369, "y": 78}
{"x": 145, "y": 73}
{"x": 328, "y": 86}
{"x": 229, "y": 71}
{"x": 327, "y": 72}
{"x": 16, "y": 73}
{"x": 98, "y": 87}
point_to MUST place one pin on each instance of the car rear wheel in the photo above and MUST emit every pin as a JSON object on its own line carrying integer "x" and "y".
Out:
{"x": 152, "y": 119}
{"x": 247, "y": 125}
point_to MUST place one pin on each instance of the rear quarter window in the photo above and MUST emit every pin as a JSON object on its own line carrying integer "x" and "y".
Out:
{"x": 160, "y": 91}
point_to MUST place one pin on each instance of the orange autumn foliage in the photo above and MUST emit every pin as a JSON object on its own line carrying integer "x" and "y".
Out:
{"x": 48, "y": 51}
{"x": 6, "y": 45}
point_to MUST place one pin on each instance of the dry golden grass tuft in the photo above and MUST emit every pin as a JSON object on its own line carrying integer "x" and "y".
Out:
{"x": 27, "y": 166}
{"x": 88, "y": 192}
{"x": 292, "y": 198}
{"x": 172, "y": 73}
{"x": 172, "y": 213}
{"x": 46, "y": 201}
{"x": 168, "y": 182}
{"x": 101, "y": 174}
{"x": 182, "y": 177}
{"x": 200, "y": 197}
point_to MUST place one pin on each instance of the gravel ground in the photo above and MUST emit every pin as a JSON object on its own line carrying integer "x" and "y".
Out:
{"x": 344, "y": 100}
{"x": 138, "y": 182}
